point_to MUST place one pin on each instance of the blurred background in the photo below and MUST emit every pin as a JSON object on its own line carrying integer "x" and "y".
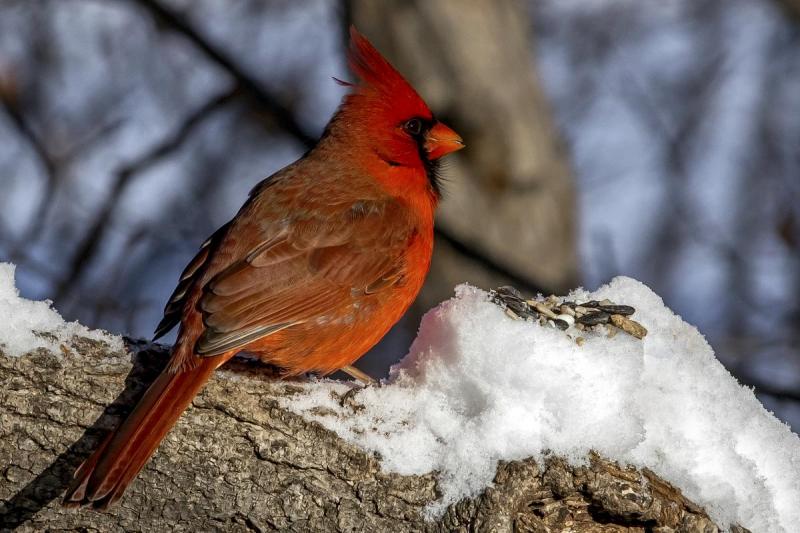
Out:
{"x": 659, "y": 140}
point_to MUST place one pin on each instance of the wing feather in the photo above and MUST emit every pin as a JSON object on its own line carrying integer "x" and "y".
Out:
{"x": 174, "y": 307}
{"x": 313, "y": 267}
{"x": 210, "y": 343}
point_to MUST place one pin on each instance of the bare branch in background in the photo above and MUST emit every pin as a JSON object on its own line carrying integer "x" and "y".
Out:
{"x": 282, "y": 115}
{"x": 93, "y": 238}
{"x": 53, "y": 164}
{"x": 107, "y": 302}
{"x": 11, "y": 107}
{"x": 63, "y": 160}
{"x": 517, "y": 279}
{"x": 680, "y": 137}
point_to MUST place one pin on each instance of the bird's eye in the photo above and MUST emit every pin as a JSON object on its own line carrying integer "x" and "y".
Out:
{"x": 413, "y": 126}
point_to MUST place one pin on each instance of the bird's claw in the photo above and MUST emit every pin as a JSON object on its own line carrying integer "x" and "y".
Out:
{"x": 348, "y": 398}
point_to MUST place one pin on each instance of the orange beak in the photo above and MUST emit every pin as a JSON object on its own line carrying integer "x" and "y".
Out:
{"x": 441, "y": 140}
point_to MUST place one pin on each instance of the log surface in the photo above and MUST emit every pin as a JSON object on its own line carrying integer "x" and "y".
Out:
{"x": 238, "y": 461}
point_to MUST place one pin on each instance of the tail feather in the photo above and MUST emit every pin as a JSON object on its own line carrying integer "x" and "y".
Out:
{"x": 104, "y": 476}
{"x": 77, "y": 490}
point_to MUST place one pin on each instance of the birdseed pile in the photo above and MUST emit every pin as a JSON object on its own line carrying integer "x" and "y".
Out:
{"x": 602, "y": 316}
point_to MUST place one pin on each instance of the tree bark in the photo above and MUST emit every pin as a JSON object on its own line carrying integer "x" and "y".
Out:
{"x": 237, "y": 461}
{"x": 510, "y": 193}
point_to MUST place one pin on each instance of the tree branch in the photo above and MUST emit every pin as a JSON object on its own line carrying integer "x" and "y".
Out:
{"x": 515, "y": 278}
{"x": 11, "y": 107}
{"x": 93, "y": 238}
{"x": 279, "y": 112}
{"x": 238, "y": 461}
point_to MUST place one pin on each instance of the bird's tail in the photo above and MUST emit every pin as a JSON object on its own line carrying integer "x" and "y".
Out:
{"x": 102, "y": 478}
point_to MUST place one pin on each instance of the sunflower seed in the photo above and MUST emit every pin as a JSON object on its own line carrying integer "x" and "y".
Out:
{"x": 560, "y": 324}
{"x": 508, "y": 290}
{"x": 592, "y": 319}
{"x": 518, "y": 307}
{"x": 614, "y": 309}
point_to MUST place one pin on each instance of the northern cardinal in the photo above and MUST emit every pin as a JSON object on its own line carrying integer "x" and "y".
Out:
{"x": 321, "y": 260}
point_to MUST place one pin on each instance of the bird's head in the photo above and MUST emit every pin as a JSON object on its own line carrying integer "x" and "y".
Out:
{"x": 385, "y": 115}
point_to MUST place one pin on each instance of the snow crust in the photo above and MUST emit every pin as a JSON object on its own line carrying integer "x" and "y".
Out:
{"x": 477, "y": 387}
{"x": 27, "y": 325}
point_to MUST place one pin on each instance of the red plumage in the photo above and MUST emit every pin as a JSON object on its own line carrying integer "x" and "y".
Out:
{"x": 323, "y": 258}
{"x": 379, "y": 78}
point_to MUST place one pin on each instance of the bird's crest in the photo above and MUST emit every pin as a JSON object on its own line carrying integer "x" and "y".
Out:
{"x": 377, "y": 74}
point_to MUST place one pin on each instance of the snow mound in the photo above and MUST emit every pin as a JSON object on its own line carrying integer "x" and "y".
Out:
{"x": 478, "y": 387}
{"x": 27, "y": 325}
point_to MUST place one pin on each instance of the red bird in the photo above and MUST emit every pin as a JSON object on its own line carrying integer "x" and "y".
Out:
{"x": 323, "y": 258}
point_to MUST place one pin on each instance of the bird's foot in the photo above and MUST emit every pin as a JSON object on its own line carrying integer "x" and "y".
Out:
{"x": 348, "y": 398}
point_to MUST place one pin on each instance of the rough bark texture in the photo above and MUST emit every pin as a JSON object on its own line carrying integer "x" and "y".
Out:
{"x": 237, "y": 461}
{"x": 510, "y": 194}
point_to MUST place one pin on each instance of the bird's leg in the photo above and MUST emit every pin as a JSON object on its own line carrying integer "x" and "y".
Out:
{"x": 355, "y": 373}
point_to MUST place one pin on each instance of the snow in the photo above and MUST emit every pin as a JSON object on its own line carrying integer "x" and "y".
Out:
{"x": 478, "y": 387}
{"x": 27, "y": 325}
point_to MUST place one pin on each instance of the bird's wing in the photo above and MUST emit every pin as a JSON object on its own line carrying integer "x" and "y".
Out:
{"x": 177, "y": 300}
{"x": 305, "y": 272}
